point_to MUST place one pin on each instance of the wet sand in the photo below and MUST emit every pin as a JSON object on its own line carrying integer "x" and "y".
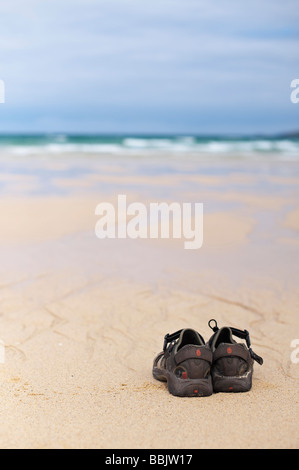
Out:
{"x": 82, "y": 319}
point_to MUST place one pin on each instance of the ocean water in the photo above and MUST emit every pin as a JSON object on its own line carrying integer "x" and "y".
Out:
{"x": 284, "y": 147}
{"x": 61, "y": 164}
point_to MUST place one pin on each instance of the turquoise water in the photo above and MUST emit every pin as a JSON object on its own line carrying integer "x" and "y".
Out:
{"x": 40, "y": 164}
{"x": 121, "y": 145}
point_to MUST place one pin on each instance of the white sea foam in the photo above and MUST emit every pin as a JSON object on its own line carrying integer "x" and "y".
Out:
{"x": 63, "y": 144}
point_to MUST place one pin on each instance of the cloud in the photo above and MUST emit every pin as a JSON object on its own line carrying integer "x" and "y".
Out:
{"x": 65, "y": 60}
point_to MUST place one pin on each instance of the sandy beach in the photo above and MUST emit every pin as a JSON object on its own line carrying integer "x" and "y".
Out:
{"x": 82, "y": 319}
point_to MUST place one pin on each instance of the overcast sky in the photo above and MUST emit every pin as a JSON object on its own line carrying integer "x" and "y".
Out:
{"x": 132, "y": 66}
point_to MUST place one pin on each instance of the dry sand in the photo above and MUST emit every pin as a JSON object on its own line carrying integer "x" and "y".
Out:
{"x": 82, "y": 320}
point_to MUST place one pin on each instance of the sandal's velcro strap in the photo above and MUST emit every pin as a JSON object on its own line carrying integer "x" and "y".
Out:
{"x": 171, "y": 337}
{"x": 245, "y": 335}
{"x": 191, "y": 351}
{"x": 231, "y": 350}
{"x": 256, "y": 357}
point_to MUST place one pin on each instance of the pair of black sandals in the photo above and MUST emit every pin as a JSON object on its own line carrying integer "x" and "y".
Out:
{"x": 191, "y": 367}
